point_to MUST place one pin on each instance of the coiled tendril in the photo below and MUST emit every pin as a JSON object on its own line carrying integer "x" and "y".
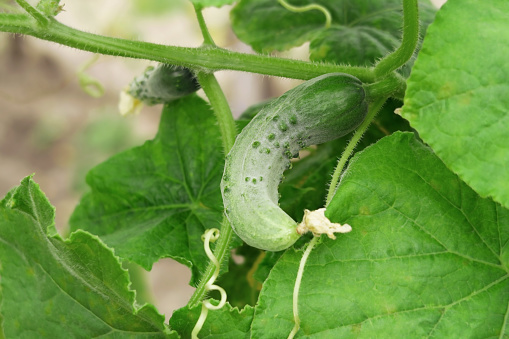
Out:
{"x": 210, "y": 235}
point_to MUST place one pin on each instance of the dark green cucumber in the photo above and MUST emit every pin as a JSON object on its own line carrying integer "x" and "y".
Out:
{"x": 319, "y": 110}
{"x": 162, "y": 84}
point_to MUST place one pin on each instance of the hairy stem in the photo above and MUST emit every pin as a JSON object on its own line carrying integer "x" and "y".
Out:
{"x": 373, "y": 110}
{"x": 296, "y": 288}
{"x": 409, "y": 41}
{"x": 221, "y": 108}
{"x": 205, "y": 58}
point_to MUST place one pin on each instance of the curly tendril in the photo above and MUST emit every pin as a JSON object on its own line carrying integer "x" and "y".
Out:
{"x": 325, "y": 11}
{"x": 210, "y": 235}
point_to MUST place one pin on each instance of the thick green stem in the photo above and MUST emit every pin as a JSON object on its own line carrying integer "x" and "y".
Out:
{"x": 373, "y": 110}
{"x": 409, "y": 41}
{"x": 41, "y": 19}
{"x": 200, "y": 59}
{"x": 221, "y": 108}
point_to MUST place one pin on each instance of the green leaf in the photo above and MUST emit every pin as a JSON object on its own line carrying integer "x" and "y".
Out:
{"x": 238, "y": 282}
{"x": 268, "y": 26}
{"x": 457, "y": 95}
{"x": 225, "y": 323}
{"x": 212, "y": 3}
{"x": 266, "y": 264}
{"x": 63, "y": 289}
{"x": 156, "y": 200}
{"x": 357, "y": 46}
{"x": 253, "y": 110}
{"x": 427, "y": 257}
{"x": 343, "y": 44}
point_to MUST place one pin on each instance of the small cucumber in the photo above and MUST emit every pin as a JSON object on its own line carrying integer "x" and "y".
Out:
{"x": 319, "y": 110}
{"x": 162, "y": 84}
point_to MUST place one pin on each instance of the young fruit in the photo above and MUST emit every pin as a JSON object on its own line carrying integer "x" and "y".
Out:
{"x": 163, "y": 83}
{"x": 319, "y": 110}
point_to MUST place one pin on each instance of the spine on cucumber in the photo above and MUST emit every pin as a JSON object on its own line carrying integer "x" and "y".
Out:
{"x": 319, "y": 110}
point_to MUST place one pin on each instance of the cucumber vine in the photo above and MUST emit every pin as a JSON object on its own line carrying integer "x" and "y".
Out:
{"x": 255, "y": 159}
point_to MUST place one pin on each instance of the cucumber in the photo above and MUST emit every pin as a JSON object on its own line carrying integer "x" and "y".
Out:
{"x": 319, "y": 110}
{"x": 163, "y": 83}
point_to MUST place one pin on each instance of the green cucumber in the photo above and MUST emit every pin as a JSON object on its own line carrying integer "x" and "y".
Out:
{"x": 163, "y": 83}
{"x": 319, "y": 110}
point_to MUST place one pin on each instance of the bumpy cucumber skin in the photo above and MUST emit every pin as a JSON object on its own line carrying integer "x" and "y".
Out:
{"x": 163, "y": 83}
{"x": 319, "y": 110}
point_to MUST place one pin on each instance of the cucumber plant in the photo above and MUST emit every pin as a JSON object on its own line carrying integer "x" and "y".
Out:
{"x": 421, "y": 101}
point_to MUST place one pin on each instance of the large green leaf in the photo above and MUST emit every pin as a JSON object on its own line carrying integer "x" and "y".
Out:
{"x": 225, "y": 323}
{"x": 457, "y": 94}
{"x": 156, "y": 200}
{"x": 361, "y": 31}
{"x": 53, "y": 288}
{"x": 427, "y": 257}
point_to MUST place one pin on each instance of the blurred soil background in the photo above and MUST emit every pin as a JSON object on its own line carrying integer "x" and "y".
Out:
{"x": 49, "y": 125}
